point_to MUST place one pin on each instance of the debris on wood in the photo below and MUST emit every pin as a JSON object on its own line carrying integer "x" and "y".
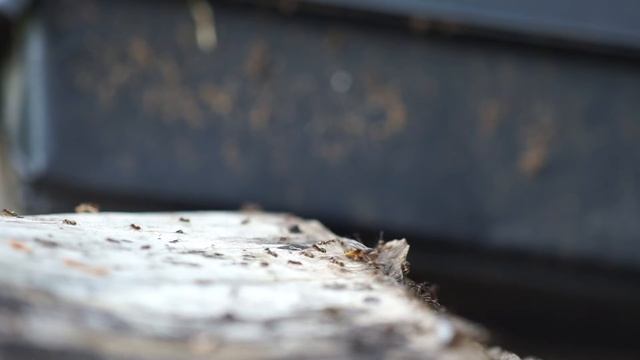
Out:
{"x": 322, "y": 250}
{"x": 271, "y": 252}
{"x": 8, "y": 212}
{"x": 90, "y": 208}
{"x": 46, "y": 243}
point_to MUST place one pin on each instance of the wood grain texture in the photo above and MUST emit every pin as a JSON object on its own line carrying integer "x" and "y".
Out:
{"x": 210, "y": 285}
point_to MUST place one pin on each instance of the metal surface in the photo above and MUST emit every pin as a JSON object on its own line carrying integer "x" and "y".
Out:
{"x": 594, "y": 22}
{"x": 510, "y": 147}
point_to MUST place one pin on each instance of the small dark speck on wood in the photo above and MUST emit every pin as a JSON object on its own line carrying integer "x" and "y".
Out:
{"x": 291, "y": 247}
{"x": 184, "y": 219}
{"x": 363, "y": 287}
{"x": 174, "y": 241}
{"x": 271, "y": 252}
{"x": 333, "y": 311}
{"x": 293, "y": 262}
{"x": 7, "y": 212}
{"x": 371, "y": 300}
{"x": 333, "y": 260}
{"x": 46, "y": 243}
{"x": 204, "y": 281}
{"x": 69, "y": 222}
{"x": 179, "y": 232}
{"x": 113, "y": 240}
{"x": 295, "y": 229}
{"x": 321, "y": 249}
{"x": 182, "y": 263}
{"x": 145, "y": 247}
{"x": 335, "y": 286}
{"x": 135, "y": 227}
{"x": 229, "y": 317}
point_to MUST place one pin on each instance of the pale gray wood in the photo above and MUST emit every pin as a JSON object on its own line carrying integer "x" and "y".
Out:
{"x": 209, "y": 285}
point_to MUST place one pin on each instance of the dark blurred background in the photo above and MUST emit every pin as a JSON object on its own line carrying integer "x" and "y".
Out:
{"x": 500, "y": 137}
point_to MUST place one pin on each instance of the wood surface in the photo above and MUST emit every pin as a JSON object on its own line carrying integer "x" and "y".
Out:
{"x": 204, "y": 285}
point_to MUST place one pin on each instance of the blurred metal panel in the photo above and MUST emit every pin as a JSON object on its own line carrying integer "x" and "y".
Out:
{"x": 485, "y": 143}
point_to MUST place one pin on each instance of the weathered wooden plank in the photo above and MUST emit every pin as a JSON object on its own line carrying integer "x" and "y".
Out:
{"x": 209, "y": 284}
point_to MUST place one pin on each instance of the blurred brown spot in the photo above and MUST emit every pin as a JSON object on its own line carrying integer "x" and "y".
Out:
{"x": 202, "y": 344}
{"x": 19, "y": 246}
{"x": 171, "y": 99}
{"x": 489, "y": 114}
{"x": 288, "y": 7}
{"x": 85, "y": 268}
{"x": 231, "y": 155}
{"x": 389, "y": 99}
{"x": 140, "y": 51}
{"x": 217, "y": 99}
{"x": 419, "y": 25}
{"x": 205, "y": 27}
{"x": 535, "y": 154}
{"x": 260, "y": 113}
{"x": 355, "y": 254}
{"x": 251, "y": 207}
{"x": 334, "y": 152}
{"x": 173, "y": 102}
{"x": 258, "y": 62}
{"x": 335, "y": 39}
{"x": 87, "y": 208}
